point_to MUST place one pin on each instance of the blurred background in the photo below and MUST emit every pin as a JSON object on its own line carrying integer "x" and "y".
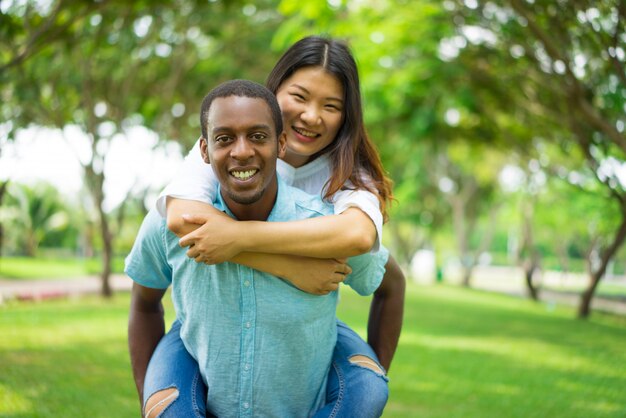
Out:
{"x": 501, "y": 124}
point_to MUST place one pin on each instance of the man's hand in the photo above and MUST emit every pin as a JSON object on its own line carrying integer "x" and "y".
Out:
{"x": 216, "y": 241}
{"x": 318, "y": 276}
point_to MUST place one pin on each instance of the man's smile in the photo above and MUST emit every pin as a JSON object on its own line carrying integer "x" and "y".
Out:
{"x": 244, "y": 174}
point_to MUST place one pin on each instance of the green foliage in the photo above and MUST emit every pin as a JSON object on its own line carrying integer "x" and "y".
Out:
{"x": 35, "y": 215}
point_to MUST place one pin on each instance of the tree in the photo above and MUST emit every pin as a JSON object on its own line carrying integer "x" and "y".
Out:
{"x": 38, "y": 210}
{"x": 122, "y": 64}
{"x": 566, "y": 58}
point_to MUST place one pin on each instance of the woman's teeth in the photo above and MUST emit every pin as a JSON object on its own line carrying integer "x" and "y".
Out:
{"x": 304, "y": 132}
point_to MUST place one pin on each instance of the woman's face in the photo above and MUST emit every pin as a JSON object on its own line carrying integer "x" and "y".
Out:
{"x": 312, "y": 104}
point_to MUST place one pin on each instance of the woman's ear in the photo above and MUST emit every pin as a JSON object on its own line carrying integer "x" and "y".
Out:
{"x": 204, "y": 150}
{"x": 282, "y": 144}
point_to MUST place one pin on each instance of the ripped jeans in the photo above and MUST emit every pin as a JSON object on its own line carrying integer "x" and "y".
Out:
{"x": 353, "y": 389}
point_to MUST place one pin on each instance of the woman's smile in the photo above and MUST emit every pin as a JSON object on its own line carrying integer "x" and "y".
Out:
{"x": 311, "y": 101}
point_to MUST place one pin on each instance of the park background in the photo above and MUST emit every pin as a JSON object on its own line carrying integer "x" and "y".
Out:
{"x": 500, "y": 123}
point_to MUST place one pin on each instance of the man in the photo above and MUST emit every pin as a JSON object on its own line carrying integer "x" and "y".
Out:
{"x": 263, "y": 346}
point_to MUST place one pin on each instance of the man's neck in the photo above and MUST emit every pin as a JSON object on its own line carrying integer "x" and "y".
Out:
{"x": 257, "y": 211}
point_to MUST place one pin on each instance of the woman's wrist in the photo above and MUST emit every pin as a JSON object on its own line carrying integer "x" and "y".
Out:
{"x": 247, "y": 233}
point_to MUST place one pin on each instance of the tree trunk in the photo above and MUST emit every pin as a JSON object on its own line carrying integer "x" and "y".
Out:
{"x": 3, "y": 189}
{"x": 528, "y": 254}
{"x": 107, "y": 255}
{"x": 584, "y": 308}
{"x": 467, "y": 274}
{"x": 530, "y": 268}
{"x": 31, "y": 244}
{"x": 95, "y": 182}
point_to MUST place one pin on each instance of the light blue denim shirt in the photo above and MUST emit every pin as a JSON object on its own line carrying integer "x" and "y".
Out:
{"x": 264, "y": 347}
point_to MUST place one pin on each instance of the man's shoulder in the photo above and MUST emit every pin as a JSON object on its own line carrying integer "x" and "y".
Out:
{"x": 153, "y": 227}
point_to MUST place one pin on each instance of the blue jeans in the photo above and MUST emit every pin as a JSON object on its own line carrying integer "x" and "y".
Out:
{"x": 352, "y": 390}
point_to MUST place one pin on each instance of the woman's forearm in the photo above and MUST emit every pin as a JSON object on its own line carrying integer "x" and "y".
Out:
{"x": 216, "y": 237}
{"x": 176, "y": 208}
{"x": 345, "y": 235}
{"x": 312, "y": 275}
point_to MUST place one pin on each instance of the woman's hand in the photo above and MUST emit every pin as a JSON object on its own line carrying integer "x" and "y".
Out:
{"x": 216, "y": 241}
{"x": 318, "y": 276}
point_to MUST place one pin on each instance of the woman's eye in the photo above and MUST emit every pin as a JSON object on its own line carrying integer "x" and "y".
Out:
{"x": 298, "y": 96}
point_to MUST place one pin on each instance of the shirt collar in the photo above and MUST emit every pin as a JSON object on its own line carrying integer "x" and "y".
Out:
{"x": 284, "y": 207}
{"x": 291, "y": 173}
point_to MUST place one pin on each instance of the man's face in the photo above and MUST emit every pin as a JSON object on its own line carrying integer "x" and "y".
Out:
{"x": 242, "y": 147}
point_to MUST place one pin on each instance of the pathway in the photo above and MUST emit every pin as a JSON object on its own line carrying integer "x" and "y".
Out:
{"x": 54, "y": 288}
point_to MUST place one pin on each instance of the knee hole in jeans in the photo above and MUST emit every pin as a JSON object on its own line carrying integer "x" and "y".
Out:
{"x": 159, "y": 401}
{"x": 367, "y": 363}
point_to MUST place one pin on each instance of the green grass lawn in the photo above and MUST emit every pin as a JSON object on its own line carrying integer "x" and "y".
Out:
{"x": 463, "y": 353}
{"x": 53, "y": 268}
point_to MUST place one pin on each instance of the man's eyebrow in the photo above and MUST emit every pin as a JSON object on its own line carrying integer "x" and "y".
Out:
{"x": 337, "y": 99}
{"x": 260, "y": 126}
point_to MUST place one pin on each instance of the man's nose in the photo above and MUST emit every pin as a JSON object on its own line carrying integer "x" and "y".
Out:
{"x": 242, "y": 149}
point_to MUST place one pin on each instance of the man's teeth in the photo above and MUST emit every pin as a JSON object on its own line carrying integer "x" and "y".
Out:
{"x": 244, "y": 175}
{"x": 305, "y": 132}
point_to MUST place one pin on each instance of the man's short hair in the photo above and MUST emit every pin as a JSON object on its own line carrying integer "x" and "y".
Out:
{"x": 241, "y": 88}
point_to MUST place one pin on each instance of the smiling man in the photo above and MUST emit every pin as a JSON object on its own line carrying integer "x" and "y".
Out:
{"x": 263, "y": 347}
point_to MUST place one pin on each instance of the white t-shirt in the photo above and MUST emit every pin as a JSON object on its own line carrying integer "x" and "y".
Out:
{"x": 195, "y": 180}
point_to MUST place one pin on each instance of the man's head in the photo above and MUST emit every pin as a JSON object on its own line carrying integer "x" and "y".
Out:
{"x": 241, "y": 139}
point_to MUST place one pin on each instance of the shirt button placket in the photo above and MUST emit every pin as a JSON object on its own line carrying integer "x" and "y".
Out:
{"x": 248, "y": 319}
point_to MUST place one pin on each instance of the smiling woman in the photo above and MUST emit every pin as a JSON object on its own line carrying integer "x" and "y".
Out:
{"x": 312, "y": 104}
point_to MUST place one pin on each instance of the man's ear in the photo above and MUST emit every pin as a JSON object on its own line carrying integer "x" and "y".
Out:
{"x": 204, "y": 150}
{"x": 282, "y": 144}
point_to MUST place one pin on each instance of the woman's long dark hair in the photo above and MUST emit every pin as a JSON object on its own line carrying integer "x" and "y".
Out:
{"x": 353, "y": 155}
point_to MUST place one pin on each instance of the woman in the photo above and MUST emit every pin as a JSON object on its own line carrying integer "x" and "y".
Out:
{"x": 328, "y": 153}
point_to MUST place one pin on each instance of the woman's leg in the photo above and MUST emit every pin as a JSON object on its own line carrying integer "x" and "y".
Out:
{"x": 173, "y": 386}
{"x": 357, "y": 384}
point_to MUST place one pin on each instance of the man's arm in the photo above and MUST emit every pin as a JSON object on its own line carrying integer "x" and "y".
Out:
{"x": 386, "y": 310}
{"x": 146, "y": 327}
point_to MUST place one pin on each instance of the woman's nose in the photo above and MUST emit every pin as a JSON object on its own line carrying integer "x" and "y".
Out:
{"x": 311, "y": 116}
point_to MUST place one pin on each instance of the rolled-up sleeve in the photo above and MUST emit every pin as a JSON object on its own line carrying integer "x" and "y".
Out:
{"x": 147, "y": 263}
{"x": 367, "y": 202}
{"x": 367, "y": 271}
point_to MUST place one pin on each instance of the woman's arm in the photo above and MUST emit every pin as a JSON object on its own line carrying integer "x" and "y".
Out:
{"x": 335, "y": 236}
{"x": 318, "y": 276}
{"x": 179, "y": 209}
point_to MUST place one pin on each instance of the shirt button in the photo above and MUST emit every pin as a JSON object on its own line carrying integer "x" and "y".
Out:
{"x": 246, "y": 367}
{"x": 248, "y": 324}
{"x": 246, "y": 283}
{"x": 246, "y": 405}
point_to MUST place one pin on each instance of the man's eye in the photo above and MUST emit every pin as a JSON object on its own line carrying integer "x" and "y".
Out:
{"x": 259, "y": 136}
{"x": 222, "y": 138}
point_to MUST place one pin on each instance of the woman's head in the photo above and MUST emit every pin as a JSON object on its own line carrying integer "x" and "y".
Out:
{"x": 336, "y": 76}
{"x": 327, "y": 118}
